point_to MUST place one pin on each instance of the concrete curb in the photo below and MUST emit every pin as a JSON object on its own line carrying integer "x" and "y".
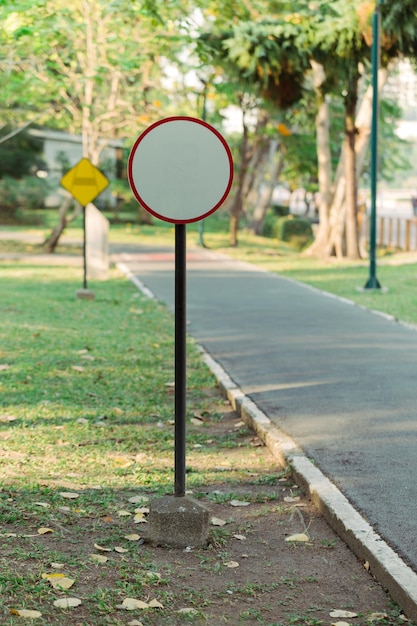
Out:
{"x": 384, "y": 564}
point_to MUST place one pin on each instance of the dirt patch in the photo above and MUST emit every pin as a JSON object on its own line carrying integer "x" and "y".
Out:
{"x": 250, "y": 573}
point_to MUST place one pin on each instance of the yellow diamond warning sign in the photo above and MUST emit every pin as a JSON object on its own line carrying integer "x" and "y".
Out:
{"x": 84, "y": 182}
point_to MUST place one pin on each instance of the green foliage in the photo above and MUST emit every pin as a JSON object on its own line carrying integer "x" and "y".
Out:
{"x": 399, "y": 29}
{"x": 294, "y": 230}
{"x": 300, "y": 168}
{"x": 268, "y": 227}
{"x": 127, "y": 203}
{"x": 393, "y": 156}
{"x": 280, "y": 210}
{"x": 63, "y": 61}
{"x": 27, "y": 193}
{"x": 269, "y": 55}
{"x": 20, "y": 154}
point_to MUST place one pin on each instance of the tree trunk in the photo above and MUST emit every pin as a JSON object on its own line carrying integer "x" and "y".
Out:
{"x": 265, "y": 194}
{"x": 256, "y": 174}
{"x": 237, "y": 204}
{"x": 52, "y": 240}
{"x": 320, "y": 243}
{"x": 352, "y": 236}
{"x": 331, "y": 233}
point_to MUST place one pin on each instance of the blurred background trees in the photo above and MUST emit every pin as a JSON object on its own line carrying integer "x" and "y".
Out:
{"x": 287, "y": 82}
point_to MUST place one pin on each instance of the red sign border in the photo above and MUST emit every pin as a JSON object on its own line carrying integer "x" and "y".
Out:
{"x": 138, "y": 142}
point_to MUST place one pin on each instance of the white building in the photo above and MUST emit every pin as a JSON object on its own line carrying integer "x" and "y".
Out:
{"x": 62, "y": 150}
{"x": 402, "y": 86}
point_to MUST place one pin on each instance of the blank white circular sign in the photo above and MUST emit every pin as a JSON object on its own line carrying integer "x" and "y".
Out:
{"x": 180, "y": 169}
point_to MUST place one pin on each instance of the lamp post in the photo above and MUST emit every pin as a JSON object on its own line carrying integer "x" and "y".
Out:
{"x": 373, "y": 282}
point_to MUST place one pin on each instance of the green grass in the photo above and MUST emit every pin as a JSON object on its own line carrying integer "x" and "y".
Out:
{"x": 86, "y": 406}
{"x": 87, "y": 375}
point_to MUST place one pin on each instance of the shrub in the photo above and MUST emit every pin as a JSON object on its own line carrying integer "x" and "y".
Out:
{"x": 268, "y": 227}
{"x": 294, "y": 230}
{"x": 27, "y": 193}
{"x": 275, "y": 211}
{"x": 280, "y": 210}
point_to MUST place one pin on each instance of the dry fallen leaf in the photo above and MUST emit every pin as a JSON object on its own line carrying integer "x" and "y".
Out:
{"x": 63, "y": 583}
{"x": 240, "y": 537}
{"x": 122, "y": 462}
{"x": 232, "y": 564}
{"x": 239, "y": 503}
{"x": 154, "y": 604}
{"x": 124, "y": 513}
{"x": 142, "y": 509}
{"x": 44, "y": 531}
{"x": 131, "y": 604}
{"x": 120, "y": 550}
{"x": 340, "y": 624}
{"x": 59, "y": 581}
{"x": 188, "y": 611}
{"x": 340, "y": 613}
{"x": 69, "y": 495}
{"x": 135, "y": 622}
{"x": 376, "y": 616}
{"x": 99, "y": 558}
{"x": 292, "y": 499}
{"x": 302, "y": 538}
{"x": 138, "y": 499}
{"x": 132, "y": 537}
{"x": 140, "y": 519}
{"x": 216, "y": 521}
{"x": 45, "y": 505}
{"x": 26, "y": 613}
{"x": 57, "y": 565}
{"x": 7, "y": 418}
{"x": 67, "y": 603}
{"x": 102, "y": 548}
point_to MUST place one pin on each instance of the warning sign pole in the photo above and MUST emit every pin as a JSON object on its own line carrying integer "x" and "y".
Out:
{"x": 84, "y": 182}
{"x": 84, "y": 249}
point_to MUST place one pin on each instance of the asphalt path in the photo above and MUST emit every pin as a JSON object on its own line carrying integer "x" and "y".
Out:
{"x": 340, "y": 380}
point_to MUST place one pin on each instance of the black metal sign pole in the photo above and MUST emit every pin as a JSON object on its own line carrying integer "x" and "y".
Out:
{"x": 85, "y": 249}
{"x": 180, "y": 358}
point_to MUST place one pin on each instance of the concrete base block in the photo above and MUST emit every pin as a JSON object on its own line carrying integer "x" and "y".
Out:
{"x": 85, "y": 294}
{"x": 178, "y": 522}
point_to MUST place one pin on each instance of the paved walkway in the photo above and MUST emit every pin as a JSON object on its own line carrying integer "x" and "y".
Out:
{"x": 340, "y": 380}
